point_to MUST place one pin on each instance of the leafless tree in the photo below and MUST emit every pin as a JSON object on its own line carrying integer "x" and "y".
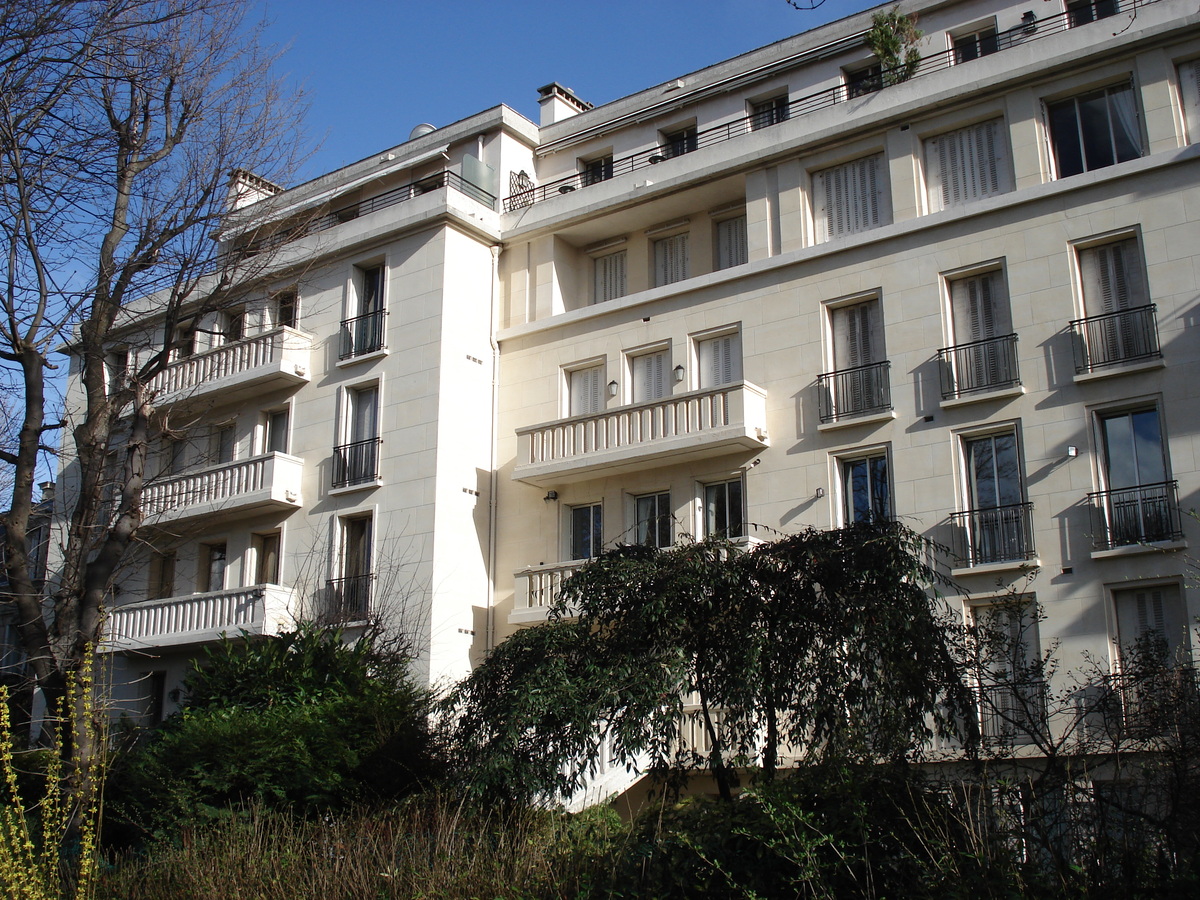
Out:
{"x": 120, "y": 124}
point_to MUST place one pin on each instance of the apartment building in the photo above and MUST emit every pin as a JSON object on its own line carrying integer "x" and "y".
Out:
{"x": 787, "y": 290}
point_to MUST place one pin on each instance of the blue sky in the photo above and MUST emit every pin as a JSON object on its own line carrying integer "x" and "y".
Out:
{"x": 373, "y": 69}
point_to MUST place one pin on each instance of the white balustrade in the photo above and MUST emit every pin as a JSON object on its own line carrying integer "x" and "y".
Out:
{"x": 257, "y": 609}
{"x": 537, "y": 587}
{"x": 271, "y": 479}
{"x": 283, "y": 350}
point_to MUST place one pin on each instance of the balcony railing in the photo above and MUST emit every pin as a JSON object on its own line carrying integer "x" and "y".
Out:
{"x": 996, "y": 535}
{"x": 254, "y": 364}
{"x": 363, "y": 334}
{"x": 536, "y": 588}
{"x": 694, "y": 425}
{"x": 406, "y": 192}
{"x": 244, "y": 485}
{"x": 986, "y": 365}
{"x": 196, "y": 618}
{"x": 356, "y": 463}
{"x": 348, "y": 599}
{"x": 1137, "y": 515}
{"x": 1019, "y": 34}
{"x": 1116, "y": 338}
{"x": 848, "y": 393}
{"x": 1148, "y": 704}
{"x": 1013, "y": 712}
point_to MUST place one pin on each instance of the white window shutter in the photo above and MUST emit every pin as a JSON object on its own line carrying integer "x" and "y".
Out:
{"x": 720, "y": 360}
{"x": 649, "y": 376}
{"x": 732, "y": 246}
{"x": 966, "y": 165}
{"x": 849, "y": 198}
{"x": 586, "y": 391}
{"x": 610, "y": 277}
{"x": 857, "y": 335}
{"x": 1189, "y": 89}
{"x": 671, "y": 259}
{"x": 1112, "y": 277}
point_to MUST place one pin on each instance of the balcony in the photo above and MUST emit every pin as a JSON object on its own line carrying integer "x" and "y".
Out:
{"x": 1000, "y": 534}
{"x": 1152, "y": 703}
{"x": 1145, "y": 514}
{"x": 1113, "y": 339}
{"x": 979, "y": 366}
{"x": 363, "y": 335}
{"x": 347, "y": 599}
{"x": 696, "y": 425}
{"x": 257, "y": 484}
{"x": 199, "y": 618}
{"x": 265, "y": 362}
{"x": 856, "y": 392}
{"x": 536, "y": 588}
{"x": 357, "y": 463}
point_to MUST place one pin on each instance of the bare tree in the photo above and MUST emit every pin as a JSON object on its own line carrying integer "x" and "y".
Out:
{"x": 121, "y": 122}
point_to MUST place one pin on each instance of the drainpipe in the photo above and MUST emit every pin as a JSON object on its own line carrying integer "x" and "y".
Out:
{"x": 493, "y": 475}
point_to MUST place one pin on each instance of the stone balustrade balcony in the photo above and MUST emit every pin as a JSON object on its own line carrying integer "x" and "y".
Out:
{"x": 244, "y": 486}
{"x": 198, "y": 618}
{"x": 256, "y": 364}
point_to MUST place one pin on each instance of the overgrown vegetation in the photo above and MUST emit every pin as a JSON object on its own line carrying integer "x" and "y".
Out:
{"x": 893, "y": 39}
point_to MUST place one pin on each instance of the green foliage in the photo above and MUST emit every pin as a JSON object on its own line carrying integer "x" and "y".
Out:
{"x": 302, "y": 722}
{"x": 824, "y": 643}
{"x": 893, "y": 38}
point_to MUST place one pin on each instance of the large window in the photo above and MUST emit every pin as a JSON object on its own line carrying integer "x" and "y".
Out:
{"x": 654, "y": 520}
{"x": 724, "y": 509}
{"x": 866, "y": 488}
{"x": 996, "y": 524}
{"x": 213, "y": 558}
{"x": 1119, "y": 325}
{"x": 1012, "y": 692}
{"x": 1152, "y": 625}
{"x": 766, "y": 113}
{"x": 162, "y": 576}
{"x": 266, "y": 555}
{"x": 593, "y": 171}
{"x": 587, "y": 531}
{"x": 966, "y": 165}
{"x": 859, "y": 383}
{"x": 1080, "y": 12}
{"x": 850, "y": 198}
{"x": 1094, "y": 130}
{"x": 677, "y": 143}
{"x": 356, "y": 461}
{"x": 585, "y": 390}
{"x": 276, "y": 425}
{"x": 732, "y": 247}
{"x": 349, "y": 595}
{"x": 983, "y": 356}
{"x": 1138, "y": 502}
{"x": 222, "y": 443}
{"x": 671, "y": 259}
{"x": 720, "y": 359}
{"x": 650, "y": 372}
{"x": 980, "y": 41}
{"x": 609, "y": 277}
{"x": 363, "y": 328}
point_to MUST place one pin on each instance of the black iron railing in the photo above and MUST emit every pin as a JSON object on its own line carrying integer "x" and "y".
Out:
{"x": 356, "y": 463}
{"x": 860, "y": 391}
{"x": 1116, "y": 338}
{"x": 994, "y": 535}
{"x": 348, "y": 599}
{"x": 1135, "y": 515}
{"x": 363, "y": 334}
{"x": 1012, "y": 711}
{"x": 1021, "y": 33}
{"x": 1150, "y": 703}
{"x": 986, "y": 365}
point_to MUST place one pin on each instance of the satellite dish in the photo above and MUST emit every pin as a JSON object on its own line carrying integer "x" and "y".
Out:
{"x": 421, "y": 130}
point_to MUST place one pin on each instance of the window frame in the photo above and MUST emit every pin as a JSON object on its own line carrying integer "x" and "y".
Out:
{"x": 347, "y": 437}
{"x": 599, "y": 259}
{"x": 1178, "y": 647}
{"x": 1061, "y": 142}
{"x": 861, "y": 212}
{"x": 364, "y": 325}
{"x": 665, "y": 270}
{"x": 632, "y": 393}
{"x": 859, "y": 455}
{"x": 963, "y": 140}
{"x": 270, "y": 429}
{"x": 596, "y": 168}
{"x": 978, "y": 33}
{"x": 678, "y": 141}
{"x": 212, "y": 553}
{"x": 655, "y": 524}
{"x": 597, "y": 364}
{"x": 729, "y": 253}
{"x": 736, "y": 364}
{"x": 595, "y": 533}
{"x": 707, "y": 515}
{"x": 767, "y": 111}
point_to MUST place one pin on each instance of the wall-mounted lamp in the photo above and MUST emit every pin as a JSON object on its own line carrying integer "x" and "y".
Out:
{"x": 820, "y": 492}
{"x": 1029, "y": 22}
{"x": 678, "y": 374}
{"x": 566, "y": 188}
{"x": 612, "y": 388}
{"x": 1072, "y": 451}
{"x": 550, "y": 495}
{"x": 656, "y": 158}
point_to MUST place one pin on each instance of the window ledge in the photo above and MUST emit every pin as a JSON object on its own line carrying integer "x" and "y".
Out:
{"x": 850, "y": 421}
{"x": 1008, "y": 565}
{"x": 351, "y": 488}
{"x": 362, "y": 358}
{"x": 1144, "y": 365}
{"x": 982, "y": 396}
{"x": 1136, "y": 549}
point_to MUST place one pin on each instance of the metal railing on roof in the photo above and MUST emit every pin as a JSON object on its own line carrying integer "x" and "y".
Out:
{"x": 1022, "y": 33}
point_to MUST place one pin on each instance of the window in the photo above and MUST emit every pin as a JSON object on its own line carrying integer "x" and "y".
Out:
{"x": 162, "y": 576}
{"x": 232, "y": 325}
{"x": 1119, "y": 324}
{"x": 864, "y": 81}
{"x": 997, "y": 524}
{"x": 222, "y": 443}
{"x": 1189, "y": 92}
{"x": 724, "y": 509}
{"x": 765, "y": 113}
{"x": 587, "y": 531}
{"x": 732, "y": 246}
{"x": 116, "y": 366}
{"x": 654, "y": 520}
{"x": 609, "y": 277}
{"x": 585, "y": 390}
{"x": 357, "y": 460}
{"x": 1094, "y": 130}
{"x": 350, "y": 595}
{"x": 850, "y": 198}
{"x": 174, "y": 455}
{"x": 1080, "y": 12}
{"x": 966, "y": 165}
{"x": 975, "y": 44}
{"x": 596, "y": 170}
{"x": 677, "y": 143}
{"x": 1012, "y": 693}
{"x": 720, "y": 360}
{"x": 266, "y": 552}
{"x": 212, "y": 576}
{"x": 866, "y": 489}
{"x": 1137, "y": 503}
{"x": 154, "y": 689}
{"x": 859, "y": 383}
{"x": 275, "y": 430}
{"x": 183, "y": 341}
{"x": 286, "y": 305}
{"x": 984, "y": 353}
{"x": 649, "y": 373}
{"x": 363, "y": 331}
{"x": 670, "y": 259}
{"x": 1152, "y": 625}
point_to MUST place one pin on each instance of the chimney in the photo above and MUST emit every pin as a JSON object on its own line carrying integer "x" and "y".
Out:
{"x": 246, "y": 188}
{"x": 47, "y": 491}
{"x": 558, "y": 103}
